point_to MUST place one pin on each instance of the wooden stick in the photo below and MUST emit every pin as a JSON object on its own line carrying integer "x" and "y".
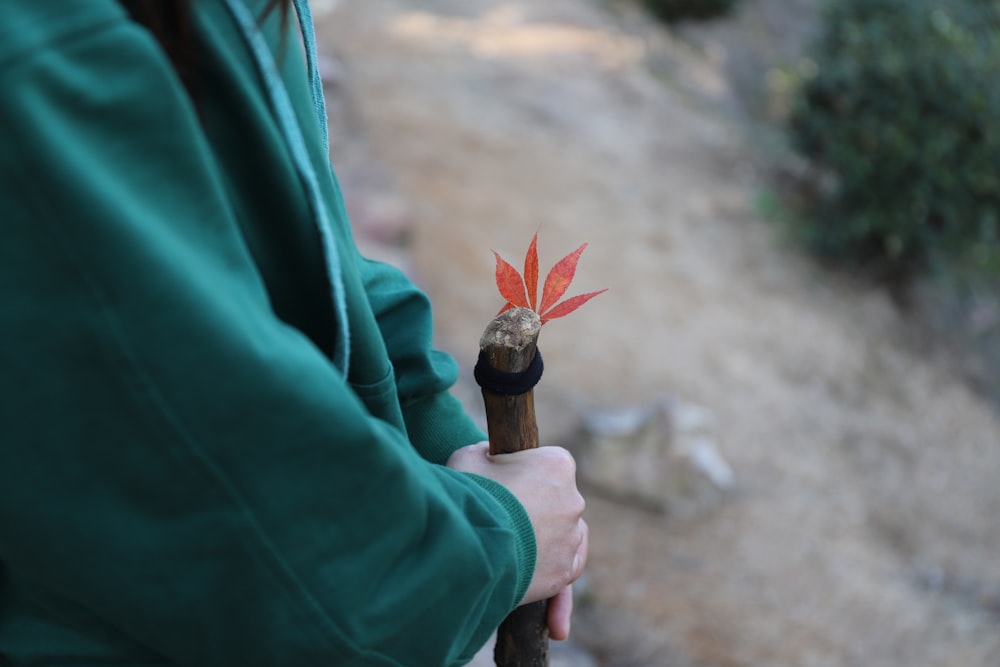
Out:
{"x": 509, "y": 344}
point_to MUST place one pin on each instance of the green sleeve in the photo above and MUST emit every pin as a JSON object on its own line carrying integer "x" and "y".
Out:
{"x": 184, "y": 474}
{"x": 436, "y": 421}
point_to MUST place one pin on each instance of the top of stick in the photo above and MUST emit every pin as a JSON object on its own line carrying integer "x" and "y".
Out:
{"x": 515, "y": 329}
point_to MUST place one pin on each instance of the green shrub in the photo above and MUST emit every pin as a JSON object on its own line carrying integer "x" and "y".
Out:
{"x": 677, "y": 10}
{"x": 900, "y": 109}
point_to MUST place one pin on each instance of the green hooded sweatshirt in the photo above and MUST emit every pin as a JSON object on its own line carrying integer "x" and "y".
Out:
{"x": 221, "y": 430}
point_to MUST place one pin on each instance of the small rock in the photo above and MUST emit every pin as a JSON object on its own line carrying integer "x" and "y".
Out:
{"x": 662, "y": 456}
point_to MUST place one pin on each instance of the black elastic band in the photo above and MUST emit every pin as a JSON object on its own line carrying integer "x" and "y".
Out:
{"x": 508, "y": 384}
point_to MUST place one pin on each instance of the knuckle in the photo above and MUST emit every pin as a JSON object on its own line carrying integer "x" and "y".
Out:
{"x": 573, "y": 511}
{"x": 562, "y": 458}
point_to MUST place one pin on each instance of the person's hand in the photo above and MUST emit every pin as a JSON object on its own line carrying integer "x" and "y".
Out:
{"x": 544, "y": 481}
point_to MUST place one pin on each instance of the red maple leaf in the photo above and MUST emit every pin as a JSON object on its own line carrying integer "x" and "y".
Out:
{"x": 522, "y": 292}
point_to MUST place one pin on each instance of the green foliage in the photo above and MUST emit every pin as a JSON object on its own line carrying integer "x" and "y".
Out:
{"x": 900, "y": 109}
{"x": 678, "y": 10}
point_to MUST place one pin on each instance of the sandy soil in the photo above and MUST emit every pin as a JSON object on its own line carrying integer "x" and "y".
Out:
{"x": 864, "y": 529}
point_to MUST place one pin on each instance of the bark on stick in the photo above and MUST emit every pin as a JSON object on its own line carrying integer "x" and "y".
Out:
{"x": 509, "y": 343}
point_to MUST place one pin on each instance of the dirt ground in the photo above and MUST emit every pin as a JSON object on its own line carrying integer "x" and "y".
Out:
{"x": 864, "y": 529}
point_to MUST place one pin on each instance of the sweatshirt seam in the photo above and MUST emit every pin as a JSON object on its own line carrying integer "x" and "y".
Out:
{"x": 285, "y": 117}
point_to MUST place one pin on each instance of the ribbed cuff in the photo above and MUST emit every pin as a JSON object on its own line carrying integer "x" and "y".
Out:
{"x": 526, "y": 549}
{"x": 438, "y": 425}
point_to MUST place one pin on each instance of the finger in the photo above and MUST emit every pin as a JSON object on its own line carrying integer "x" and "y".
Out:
{"x": 560, "y": 613}
{"x": 580, "y": 559}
